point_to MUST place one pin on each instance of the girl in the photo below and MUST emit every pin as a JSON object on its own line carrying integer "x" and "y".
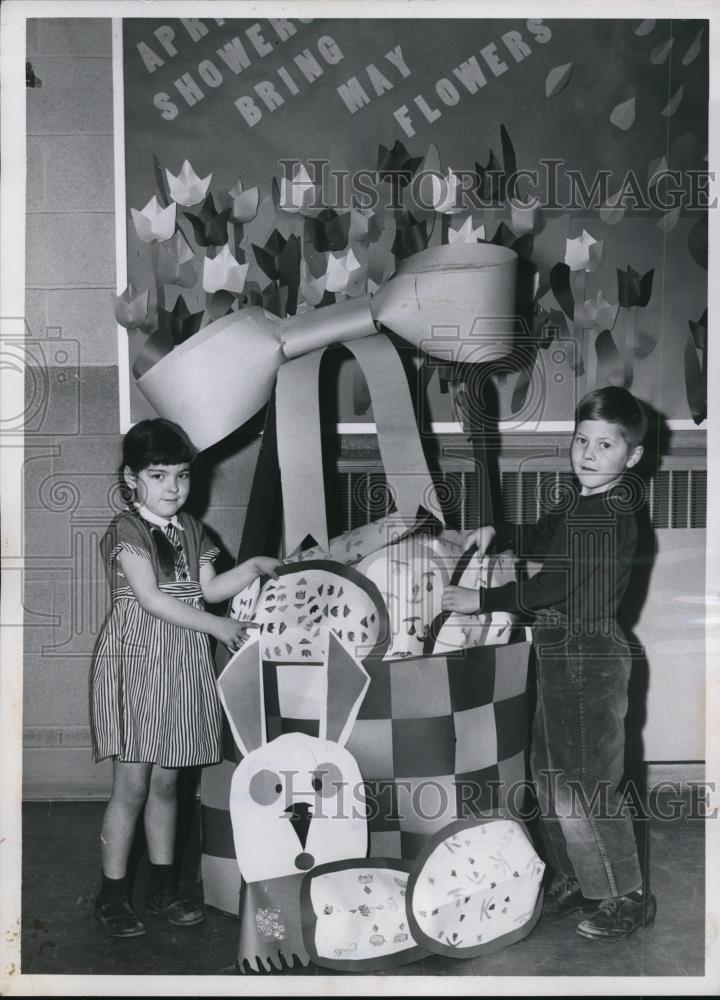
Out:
{"x": 153, "y": 701}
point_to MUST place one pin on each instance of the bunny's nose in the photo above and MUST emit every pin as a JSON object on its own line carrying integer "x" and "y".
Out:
{"x": 300, "y": 815}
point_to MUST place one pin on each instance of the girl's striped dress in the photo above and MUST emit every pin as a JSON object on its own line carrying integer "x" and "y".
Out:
{"x": 153, "y": 697}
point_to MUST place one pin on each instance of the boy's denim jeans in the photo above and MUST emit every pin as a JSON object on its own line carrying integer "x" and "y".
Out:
{"x": 577, "y": 753}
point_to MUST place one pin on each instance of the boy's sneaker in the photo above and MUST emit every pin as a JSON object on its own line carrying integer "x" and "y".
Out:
{"x": 564, "y": 897}
{"x": 619, "y": 916}
{"x": 118, "y": 918}
{"x": 177, "y": 911}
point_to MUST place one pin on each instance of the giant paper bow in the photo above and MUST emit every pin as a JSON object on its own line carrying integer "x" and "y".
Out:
{"x": 455, "y": 302}
{"x": 222, "y": 376}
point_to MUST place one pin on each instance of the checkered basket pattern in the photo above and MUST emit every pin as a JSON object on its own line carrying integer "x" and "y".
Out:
{"x": 437, "y": 738}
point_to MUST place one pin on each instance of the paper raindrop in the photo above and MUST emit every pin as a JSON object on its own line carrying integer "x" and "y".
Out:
{"x": 622, "y": 115}
{"x": 557, "y": 78}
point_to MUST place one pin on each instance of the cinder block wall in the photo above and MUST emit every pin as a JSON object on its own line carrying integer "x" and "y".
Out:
{"x": 73, "y": 435}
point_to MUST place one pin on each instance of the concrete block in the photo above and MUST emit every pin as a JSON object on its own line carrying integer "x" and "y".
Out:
{"x": 78, "y": 36}
{"x": 86, "y": 316}
{"x": 72, "y": 774}
{"x": 72, "y": 251}
{"x": 99, "y": 394}
{"x": 36, "y": 311}
{"x": 55, "y": 696}
{"x": 76, "y": 96}
{"x": 70, "y": 173}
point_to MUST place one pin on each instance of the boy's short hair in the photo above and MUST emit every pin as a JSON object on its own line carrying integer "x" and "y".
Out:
{"x": 617, "y": 406}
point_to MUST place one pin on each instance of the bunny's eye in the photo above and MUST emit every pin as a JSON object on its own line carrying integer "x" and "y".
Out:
{"x": 265, "y": 787}
{"x": 327, "y": 779}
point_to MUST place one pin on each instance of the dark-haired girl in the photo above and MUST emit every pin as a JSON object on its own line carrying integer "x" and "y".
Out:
{"x": 153, "y": 701}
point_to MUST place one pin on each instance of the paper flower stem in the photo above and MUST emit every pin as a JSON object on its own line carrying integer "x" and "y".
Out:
{"x": 238, "y": 231}
{"x": 578, "y": 282}
{"x": 445, "y": 229}
{"x": 159, "y": 284}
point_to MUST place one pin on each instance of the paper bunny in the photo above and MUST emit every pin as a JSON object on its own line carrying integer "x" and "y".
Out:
{"x": 296, "y": 800}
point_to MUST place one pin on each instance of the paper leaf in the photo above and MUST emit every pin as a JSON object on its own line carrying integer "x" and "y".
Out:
{"x": 219, "y": 304}
{"x": 661, "y": 52}
{"x": 694, "y": 51}
{"x": 508, "y": 154}
{"x": 699, "y": 332}
{"x": 557, "y": 79}
{"x": 610, "y": 363}
{"x": 622, "y": 115}
{"x": 560, "y": 285}
{"x": 695, "y": 383}
{"x": 644, "y": 346}
{"x": 645, "y": 27}
{"x": 163, "y": 196}
{"x": 611, "y": 212}
{"x": 521, "y": 390}
{"x": 673, "y": 104}
{"x": 669, "y": 220}
{"x": 266, "y": 262}
{"x": 698, "y": 241}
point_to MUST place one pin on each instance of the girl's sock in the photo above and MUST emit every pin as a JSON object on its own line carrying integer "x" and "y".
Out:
{"x": 162, "y": 878}
{"x": 112, "y": 889}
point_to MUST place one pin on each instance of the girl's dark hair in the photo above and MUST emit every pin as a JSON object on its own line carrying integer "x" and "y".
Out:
{"x": 156, "y": 442}
{"x": 617, "y": 406}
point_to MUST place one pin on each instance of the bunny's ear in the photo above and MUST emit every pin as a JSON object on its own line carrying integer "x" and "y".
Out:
{"x": 347, "y": 682}
{"x": 241, "y": 693}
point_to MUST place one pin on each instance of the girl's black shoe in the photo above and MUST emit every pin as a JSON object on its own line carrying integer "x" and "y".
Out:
{"x": 177, "y": 911}
{"x": 118, "y": 918}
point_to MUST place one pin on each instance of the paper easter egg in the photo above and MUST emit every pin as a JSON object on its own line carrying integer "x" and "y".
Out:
{"x": 475, "y": 888}
{"x": 354, "y": 916}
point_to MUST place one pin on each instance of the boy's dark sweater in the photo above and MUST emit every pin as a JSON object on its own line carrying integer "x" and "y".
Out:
{"x": 586, "y": 547}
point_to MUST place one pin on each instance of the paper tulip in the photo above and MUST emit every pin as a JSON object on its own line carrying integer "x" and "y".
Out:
{"x": 245, "y": 203}
{"x": 583, "y": 253}
{"x": 364, "y": 226}
{"x": 598, "y": 313}
{"x": 209, "y": 226}
{"x": 328, "y": 230}
{"x": 176, "y": 263}
{"x": 466, "y": 233}
{"x": 131, "y": 308}
{"x": 411, "y": 236}
{"x": 345, "y": 273}
{"x": 445, "y": 194}
{"x": 526, "y": 217}
{"x": 299, "y": 193}
{"x": 224, "y": 272}
{"x": 187, "y": 188}
{"x": 634, "y": 289}
{"x": 154, "y": 224}
{"x": 396, "y": 164}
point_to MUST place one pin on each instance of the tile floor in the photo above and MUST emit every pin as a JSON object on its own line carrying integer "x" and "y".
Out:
{"x": 61, "y": 936}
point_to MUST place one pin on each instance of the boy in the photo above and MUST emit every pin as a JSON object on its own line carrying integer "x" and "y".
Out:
{"x": 586, "y": 545}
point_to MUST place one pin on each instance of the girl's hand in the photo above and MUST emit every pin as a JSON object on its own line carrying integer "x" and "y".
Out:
{"x": 230, "y": 633}
{"x": 482, "y": 537}
{"x": 265, "y": 566}
{"x": 461, "y": 599}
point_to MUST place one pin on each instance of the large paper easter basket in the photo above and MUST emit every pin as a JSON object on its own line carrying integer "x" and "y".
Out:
{"x": 442, "y": 732}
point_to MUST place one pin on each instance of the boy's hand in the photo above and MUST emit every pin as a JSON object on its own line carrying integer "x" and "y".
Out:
{"x": 461, "y": 599}
{"x": 482, "y": 537}
{"x": 265, "y": 566}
